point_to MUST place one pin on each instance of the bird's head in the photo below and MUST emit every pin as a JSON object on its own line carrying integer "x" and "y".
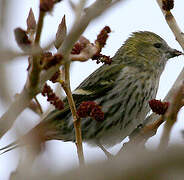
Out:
{"x": 146, "y": 48}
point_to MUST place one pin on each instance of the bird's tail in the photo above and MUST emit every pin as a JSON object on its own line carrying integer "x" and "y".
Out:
{"x": 30, "y": 138}
{"x": 52, "y": 127}
{"x": 33, "y": 136}
{"x": 10, "y": 147}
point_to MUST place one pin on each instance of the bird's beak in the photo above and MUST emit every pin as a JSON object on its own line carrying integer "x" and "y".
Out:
{"x": 174, "y": 53}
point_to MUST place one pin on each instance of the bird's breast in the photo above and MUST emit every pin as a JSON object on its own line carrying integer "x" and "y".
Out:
{"x": 125, "y": 106}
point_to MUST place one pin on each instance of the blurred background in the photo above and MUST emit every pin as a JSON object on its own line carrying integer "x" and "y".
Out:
{"x": 123, "y": 19}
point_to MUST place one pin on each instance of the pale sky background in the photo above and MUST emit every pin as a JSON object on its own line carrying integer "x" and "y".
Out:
{"x": 124, "y": 18}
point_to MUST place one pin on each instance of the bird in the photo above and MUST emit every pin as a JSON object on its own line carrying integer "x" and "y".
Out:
{"x": 122, "y": 90}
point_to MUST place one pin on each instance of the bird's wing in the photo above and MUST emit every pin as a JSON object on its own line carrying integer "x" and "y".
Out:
{"x": 98, "y": 83}
{"x": 95, "y": 85}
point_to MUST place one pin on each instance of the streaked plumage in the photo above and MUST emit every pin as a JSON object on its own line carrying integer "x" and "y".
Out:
{"x": 123, "y": 89}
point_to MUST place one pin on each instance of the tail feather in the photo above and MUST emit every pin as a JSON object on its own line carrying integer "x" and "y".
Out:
{"x": 22, "y": 141}
{"x": 10, "y": 147}
{"x": 48, "y": 129}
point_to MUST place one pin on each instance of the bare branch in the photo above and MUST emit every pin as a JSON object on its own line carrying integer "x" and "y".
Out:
{"x": 8, "y": 118}
{"x": 171, "y": 115}
{"x": 79, "y": 9}
{"x": 171, "y": 21}
{"x": 136, "y": 165}
{"x": 92, "y": 12}
{"x": 180, "y": 38}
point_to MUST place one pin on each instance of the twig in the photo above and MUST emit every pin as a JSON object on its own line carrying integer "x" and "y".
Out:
{"x": 78, "y": 28}
{"x": 92, "y": 12}
{"x": 76, "y": 119}
{"x": 171, "y": 116}
{"x": 171, "y": 21}
{"x": 21, "y": 102}
{"x": 180, "y": 38}
{"x": 35, "y": 70}
{"x": 87, "y": 52}
{"x": 79, "y": 9}
{"x": 139, "y": 137}
{"x": 38, "y": 105}
{"x": 9, "y": 54}
{"x": 39, "y": 27}
{"x": 138, "y": 165}
{"x": 4, "y": 14}
{"x": 29, "y": 91}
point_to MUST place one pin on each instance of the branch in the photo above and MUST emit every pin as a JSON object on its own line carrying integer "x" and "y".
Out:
{"x": 135, "y": 166}
{"x": 90, "y": 13}
{"x": 180, "y": 38}
{"x": 79, "y": 26}
{"x": 8, "y": 118}
{"x": 4, "y": 24}
{"x": 153, "y": 119}
{"x": 30, "y": 89}
{"x": 171, "y": 116}
{"x": 8, "y": 54}
{"x": 76, "y": 119}
{"x": 140, "y": 135}
{"x": 34, "y": 73}
{"x": 171, "y": 21}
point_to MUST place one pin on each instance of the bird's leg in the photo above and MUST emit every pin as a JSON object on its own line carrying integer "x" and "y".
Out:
{"x": 108, "y": 154}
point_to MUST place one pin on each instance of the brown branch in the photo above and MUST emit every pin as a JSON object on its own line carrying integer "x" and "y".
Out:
{"x": 7, "y": 55}
{"x": 21, "y": 102}
{"x": 173, "y": 25}
{"x": 89, "y": 14}
{"x": 171, "y": 21}
{"x": 39, "y": 27}
{"x": 134, "y": 165}
{"x": 89, "y": 51}
{"x": 142, "y": 134}
{"x": 4, "y": 27}
{"x": 76, "y": 119}
{"x": 34, "y": 73}
{"x": 82, "y": 51}
{"x": 30, "y": 89}
{"x": 171, "y": 116}
{"x": 139, "y": 137}
{"x": 35, "y": 108}
{"x": 38, "y": 105}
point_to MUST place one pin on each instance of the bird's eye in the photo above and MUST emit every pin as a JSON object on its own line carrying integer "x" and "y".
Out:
{"x": 157, "y": 45}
